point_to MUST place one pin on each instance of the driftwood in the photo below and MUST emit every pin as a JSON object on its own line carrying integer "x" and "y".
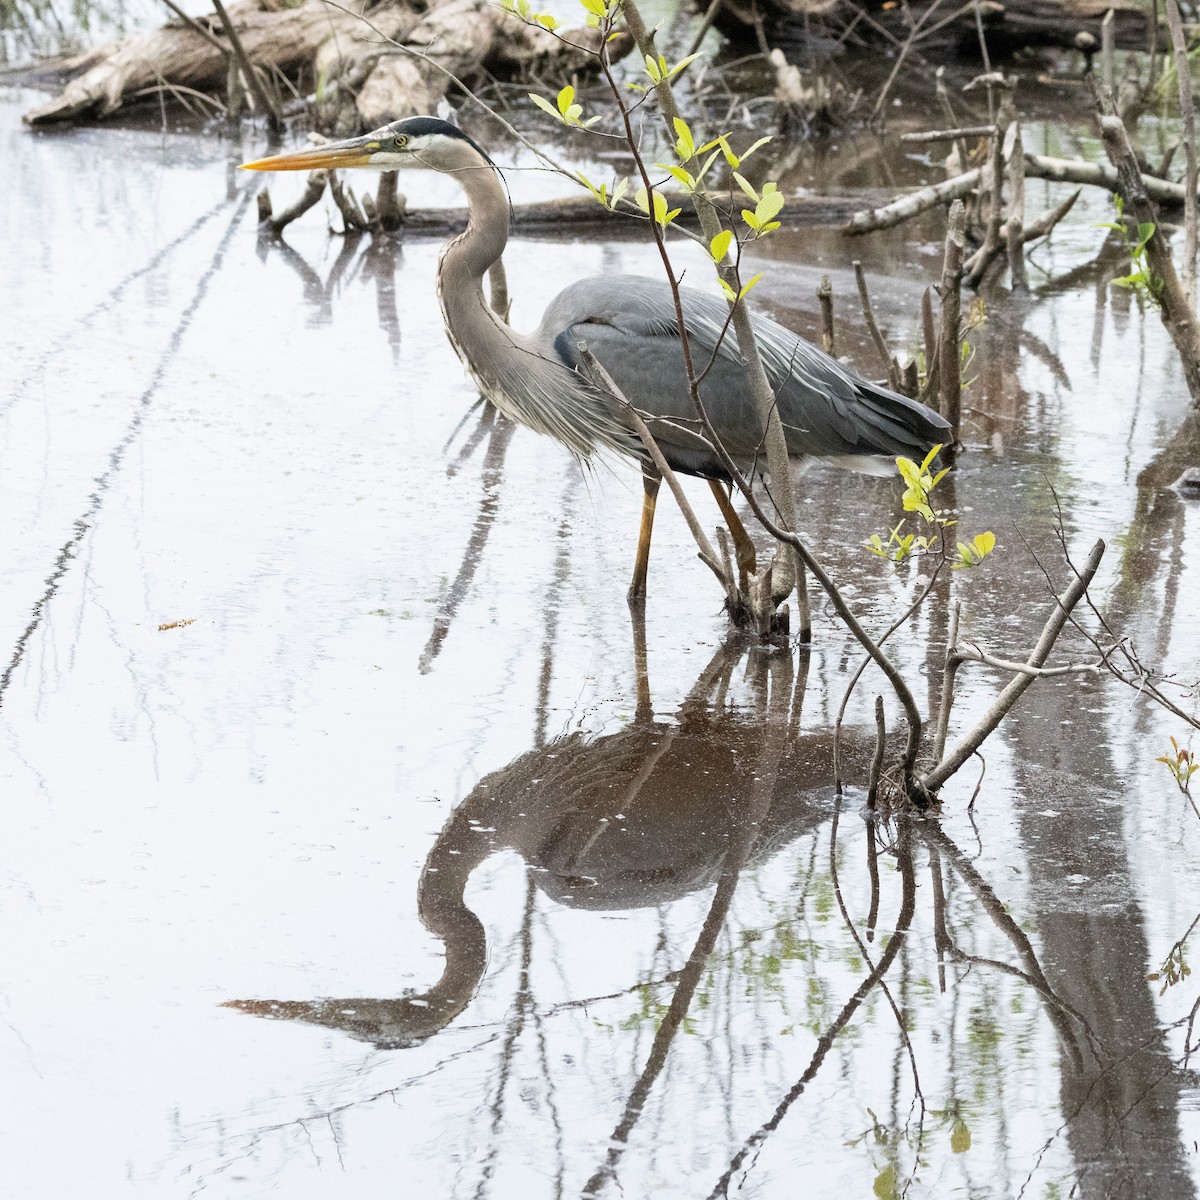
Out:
{"x": 561, "y": 217}
{"x": 1037, "y": 166}
{"x": 914, "y": 203}
{"x": 364, "y": 79}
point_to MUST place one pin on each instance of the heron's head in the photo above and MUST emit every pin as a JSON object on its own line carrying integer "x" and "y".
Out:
{"x": 422, "y": 142}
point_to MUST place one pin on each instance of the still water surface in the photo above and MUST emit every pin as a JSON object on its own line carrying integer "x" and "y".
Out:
{"x": 408, "y": 700}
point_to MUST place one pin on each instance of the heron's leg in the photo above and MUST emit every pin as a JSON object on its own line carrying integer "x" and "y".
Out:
{"x": 650, "y": 483}
{"x": 743, "y": 545}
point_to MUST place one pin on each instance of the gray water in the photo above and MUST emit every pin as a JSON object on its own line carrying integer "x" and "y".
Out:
{"x": 407, "y": 648}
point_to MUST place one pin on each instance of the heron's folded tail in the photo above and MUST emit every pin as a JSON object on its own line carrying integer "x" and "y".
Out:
{"x": 893, "y": 424}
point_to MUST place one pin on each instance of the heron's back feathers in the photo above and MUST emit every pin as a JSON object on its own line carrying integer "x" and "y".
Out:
{"x": 629, "y": 323}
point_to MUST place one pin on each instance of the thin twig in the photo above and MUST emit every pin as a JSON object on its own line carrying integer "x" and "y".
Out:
{"x": 881, "y": 347}
{"x": 973, "y": 652}
{"x": 196, "y": 27}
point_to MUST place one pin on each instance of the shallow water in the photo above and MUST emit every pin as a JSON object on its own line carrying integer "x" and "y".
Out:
{"x": 407, "y": 650}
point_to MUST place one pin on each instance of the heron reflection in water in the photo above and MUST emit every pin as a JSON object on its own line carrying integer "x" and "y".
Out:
{"x": 630, "y": 324}
{"x": 633, "y": 819}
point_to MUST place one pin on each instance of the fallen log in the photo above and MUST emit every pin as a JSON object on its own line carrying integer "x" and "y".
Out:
{"x": 567, "y": 215}
{"x": 1007, "y": 26}
{"x": 1097, "y": 174}
{"x": 366, "y": 75}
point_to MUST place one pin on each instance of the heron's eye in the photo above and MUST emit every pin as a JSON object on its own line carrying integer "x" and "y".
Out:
{"x": 401, "y": 141}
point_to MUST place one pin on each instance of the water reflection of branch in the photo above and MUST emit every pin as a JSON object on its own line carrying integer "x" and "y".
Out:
{"x": 873, "y": 866}
{"x": 1057, "y": 1008}
{"x": 82, "y": 524}
{"x": 903, "y": 924}
{"x": 500, "y": 434}
{"x": 376, "y": 260}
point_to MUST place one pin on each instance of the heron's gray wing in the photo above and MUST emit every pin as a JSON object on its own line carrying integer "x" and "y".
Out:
{"x": 630, "y": 324}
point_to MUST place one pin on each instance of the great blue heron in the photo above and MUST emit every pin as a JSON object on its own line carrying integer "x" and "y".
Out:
{"x": 629, "y": 323}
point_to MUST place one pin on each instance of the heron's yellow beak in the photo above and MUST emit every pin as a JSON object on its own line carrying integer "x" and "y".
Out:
{"x": 355, "y": 152}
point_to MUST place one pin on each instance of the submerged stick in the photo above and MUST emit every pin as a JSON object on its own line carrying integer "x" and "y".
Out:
{"x": 825, "y": 300}
{"x": 992, "y": 241}
{"x": 343, "y": 197}
{"x": 885, "y": 356}
{"x": 949, "y": 361}
{"x": 949, "y": 671}
{"x": 1014, "y": 233}
{"x": 877, "y": 761}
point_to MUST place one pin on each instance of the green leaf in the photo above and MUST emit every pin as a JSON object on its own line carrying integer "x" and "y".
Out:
{"x": 545, "y": 105}
{"x": 746, "y": 287}
{"x": 565, "y": 99}
{"x": 682, "y": 65}
{"x": 757, "y": 145}
{"x": 719, "y": 246}
{"x": 746, "y": 187}
{"x": 685, "y": 146}
{"x": 546, "y": 21}
{"x": 984, "y": 543}
{"x": 768, "y": 207}
{"x": 684, "y": 179}
{"x": 750, "y": 219}
{"x": 730, "y": 294}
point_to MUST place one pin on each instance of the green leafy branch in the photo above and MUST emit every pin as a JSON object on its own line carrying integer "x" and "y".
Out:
{"x": 524, "y": 10}
{"x": 901, "y": 545}
{"x": 565, "y": 109}
{"x": 1181, "y": 762}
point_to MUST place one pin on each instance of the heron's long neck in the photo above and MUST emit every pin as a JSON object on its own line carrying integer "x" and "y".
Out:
{"x": 474, "y": 329}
